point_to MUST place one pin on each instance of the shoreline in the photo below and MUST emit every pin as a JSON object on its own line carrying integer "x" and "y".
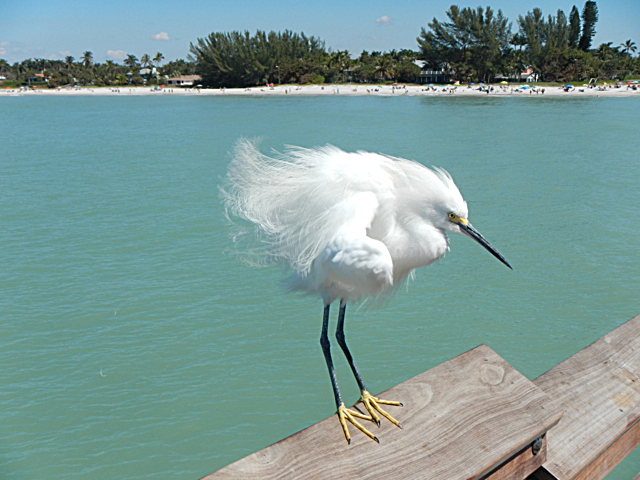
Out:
{"x": 343, "y": 89}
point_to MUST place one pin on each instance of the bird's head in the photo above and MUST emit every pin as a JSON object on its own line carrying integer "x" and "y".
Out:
{"x": 460, "y": 224}
{"x": 449, "y": 212}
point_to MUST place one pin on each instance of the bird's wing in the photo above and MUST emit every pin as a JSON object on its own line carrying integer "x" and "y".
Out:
{"x": 302, "y": 199}
{"x": 352, "y": 265}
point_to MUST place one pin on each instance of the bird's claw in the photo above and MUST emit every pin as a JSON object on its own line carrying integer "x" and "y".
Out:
{"x": 372, "y": 404}
{"x": 345, "y": 415}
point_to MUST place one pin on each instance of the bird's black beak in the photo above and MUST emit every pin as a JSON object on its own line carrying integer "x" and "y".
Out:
{"x": 473, "y": 233}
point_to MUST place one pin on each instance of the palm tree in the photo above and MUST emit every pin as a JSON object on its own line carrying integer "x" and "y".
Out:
{"x": 385, "y": 66}
{"x": 121, "y": 79}
{"x": 131, "y": 61}
{"x": 158, "y": 58}
{"x": 87, "y": 59}
{"x": 68, "y": 61}
{"x": 145, "y": 59}
{"x": 628, "y": 47}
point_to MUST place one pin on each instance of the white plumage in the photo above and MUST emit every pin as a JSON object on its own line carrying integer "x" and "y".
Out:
{"x": 350, "y": 225}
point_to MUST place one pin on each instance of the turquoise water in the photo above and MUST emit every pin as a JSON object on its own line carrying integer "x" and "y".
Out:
{"x": 134, "y": 344}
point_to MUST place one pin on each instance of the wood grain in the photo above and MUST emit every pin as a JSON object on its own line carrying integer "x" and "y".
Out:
{"x": 522, "y": 465}
{"x": 598, "y": 388}
{"x": 461, "y": 420}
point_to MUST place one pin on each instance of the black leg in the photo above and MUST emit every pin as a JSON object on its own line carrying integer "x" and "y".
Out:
{"x": 343, "y": 344}
{"x": 326, "y": 349}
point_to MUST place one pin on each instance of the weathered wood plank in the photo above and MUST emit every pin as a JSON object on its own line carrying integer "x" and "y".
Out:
{"x": 522, "y": 465}
{"x": 612, "y": 456}
{"x": 461, "y": 419}
{"x": 599, "y": 390}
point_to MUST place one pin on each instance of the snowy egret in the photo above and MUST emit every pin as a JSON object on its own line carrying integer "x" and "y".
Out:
{"x": 350, "y": 226}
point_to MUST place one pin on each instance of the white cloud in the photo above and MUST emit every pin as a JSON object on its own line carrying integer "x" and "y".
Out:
{"x": 3, "y": 51}
{"x": 385, "y": 20}
{"x": 161, "y": 36}
{"x": 117, "y": 54}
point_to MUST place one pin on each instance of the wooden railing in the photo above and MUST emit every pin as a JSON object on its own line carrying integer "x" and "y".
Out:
{"x": 476, "y": 417}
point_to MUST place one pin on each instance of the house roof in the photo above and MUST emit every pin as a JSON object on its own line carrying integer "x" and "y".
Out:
{"x": 186, "y": 77}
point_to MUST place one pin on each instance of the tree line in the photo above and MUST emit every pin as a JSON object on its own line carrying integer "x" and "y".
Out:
{"x": 478, "y": 44}
{"x": 242, "y": 60}
{"x": 85, "y": 71}
{"x": 472, "y": 44}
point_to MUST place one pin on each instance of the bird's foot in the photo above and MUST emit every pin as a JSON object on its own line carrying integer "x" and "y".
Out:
{"x": 372, "y": 404}
{"x": 345, "y": 415}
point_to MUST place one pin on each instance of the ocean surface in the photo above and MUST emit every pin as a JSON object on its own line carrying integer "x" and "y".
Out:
{"x": 135, "y": 344}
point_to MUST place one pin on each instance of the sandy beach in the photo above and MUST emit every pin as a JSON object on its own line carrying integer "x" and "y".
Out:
{"x": 344, "y": 89}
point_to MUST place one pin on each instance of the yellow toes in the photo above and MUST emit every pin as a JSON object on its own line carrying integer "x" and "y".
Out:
{"x": 371, "y": 403}
{"x": 345, "y": 415}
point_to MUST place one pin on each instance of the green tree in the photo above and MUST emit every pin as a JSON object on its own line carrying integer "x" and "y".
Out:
{"x": 178, "y": 67}
{"x": 385, "y": 67}
{"x": 157, "y": 59}
{"x": 240, "y": 60}
{"x": 589, "y": 20}
{"x": 543, "y": 36}
{"x": 612, "y": 62}
{"x": 628, "y": 47}
{"x": 574, "y": 27}
{"x": 406, "y": 70}
{"x": 567, "y": 65}
{"x": 131, "y": 61}
{"x": 87, "y": 59}
{"x": 472, "y": 44}
{"x": 557, "y": 31}
{"x": 121, "y": 79}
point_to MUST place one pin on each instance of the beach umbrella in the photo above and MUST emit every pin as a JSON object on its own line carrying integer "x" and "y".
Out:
{"x": 569, "y": 86}
{"x": 504, "y": 82}
{"x": 431, "y": 85}
{"x": 199, "y": 86}
{"x": 635, "y": 81}
{"x": 481, "y": 83}
{"x": 472, "y": 83}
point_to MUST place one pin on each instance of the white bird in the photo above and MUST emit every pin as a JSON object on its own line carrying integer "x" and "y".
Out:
{"x": 350, "y": 226}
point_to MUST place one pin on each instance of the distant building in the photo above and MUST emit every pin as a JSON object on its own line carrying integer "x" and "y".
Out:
{"x": 526, "y": 76}
{"x": 430, "y": 76}
{"x": 184, "y": 80}
{"x": 38, "y": 77}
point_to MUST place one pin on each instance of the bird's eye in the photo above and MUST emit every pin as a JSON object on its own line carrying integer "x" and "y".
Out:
{"x": 452, "y": 216}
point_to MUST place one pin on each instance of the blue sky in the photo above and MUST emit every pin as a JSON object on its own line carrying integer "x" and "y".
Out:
{"x": 111, "y": 29}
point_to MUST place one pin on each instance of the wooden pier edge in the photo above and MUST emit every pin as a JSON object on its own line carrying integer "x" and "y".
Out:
{"x": 598, "y": 388}
{"x": 475, "y": 417}
{"x": 472, "y": 417}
